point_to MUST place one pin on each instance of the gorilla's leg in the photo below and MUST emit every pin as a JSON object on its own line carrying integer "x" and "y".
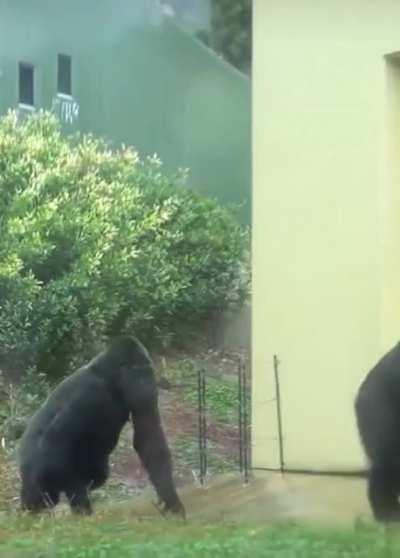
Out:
{"x": 151, "y": 446}
{"x": 99, "y": 474}
{"x": 378, "y": 422}
{"x": 383, "y": 492}
{"x": 78, "y": 498}
{"x": 35, "y": 498}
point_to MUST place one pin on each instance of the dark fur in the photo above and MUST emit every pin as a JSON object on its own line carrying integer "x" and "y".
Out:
{"x": 67, "y": 443}
{"x": 378, "y": 419}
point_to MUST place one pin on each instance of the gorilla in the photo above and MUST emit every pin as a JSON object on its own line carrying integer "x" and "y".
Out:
{"x": 377, "y": 408}
{"x": 68, "y": 441}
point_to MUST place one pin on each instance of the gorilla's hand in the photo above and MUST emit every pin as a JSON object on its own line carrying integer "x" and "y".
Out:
{"x": 175, "y": 508}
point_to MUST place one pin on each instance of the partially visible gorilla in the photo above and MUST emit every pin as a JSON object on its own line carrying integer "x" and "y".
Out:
{"x": 68, "y": 441}
{"x": 378, "y": 418}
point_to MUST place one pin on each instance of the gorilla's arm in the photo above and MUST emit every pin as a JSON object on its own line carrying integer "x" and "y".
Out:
{"x": 140, "y": 393}
{"x": 152, "y": 448}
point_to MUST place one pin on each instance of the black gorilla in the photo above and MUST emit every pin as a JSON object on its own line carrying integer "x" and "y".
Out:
{"x": 378, "y": 418}
{"x": 67, "y": 443}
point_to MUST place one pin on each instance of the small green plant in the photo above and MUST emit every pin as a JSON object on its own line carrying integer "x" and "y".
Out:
{"x": 222, "y": 395}
{"x": 221, "y": 398}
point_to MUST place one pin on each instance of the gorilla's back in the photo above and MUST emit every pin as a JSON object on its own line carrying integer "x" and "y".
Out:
{"x": 72, "y": 397}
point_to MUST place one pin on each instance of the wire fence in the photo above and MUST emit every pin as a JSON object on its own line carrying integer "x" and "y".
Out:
{"x": 243, "y": 412}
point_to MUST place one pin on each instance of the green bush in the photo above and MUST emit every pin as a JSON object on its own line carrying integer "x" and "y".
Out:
{"x": 97, "y": 242}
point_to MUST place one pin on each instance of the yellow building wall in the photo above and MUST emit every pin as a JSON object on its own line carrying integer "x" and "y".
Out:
{"x": 326, "y": 220}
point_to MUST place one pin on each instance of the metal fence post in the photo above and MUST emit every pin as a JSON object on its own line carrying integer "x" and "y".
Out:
{"x": 243, "y": 421}
{"x": 279, "y": 413}
{"x": 202, "y": 423}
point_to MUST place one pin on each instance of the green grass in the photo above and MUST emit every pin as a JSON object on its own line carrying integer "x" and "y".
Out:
{"x": 105, "y": 537}
{"x": 221, "y": 392}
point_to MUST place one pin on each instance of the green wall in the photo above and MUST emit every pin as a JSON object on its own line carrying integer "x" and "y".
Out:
{"x": 137, "y": 78}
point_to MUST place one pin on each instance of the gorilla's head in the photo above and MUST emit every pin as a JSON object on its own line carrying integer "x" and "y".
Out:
{"x": 128, "y": 351}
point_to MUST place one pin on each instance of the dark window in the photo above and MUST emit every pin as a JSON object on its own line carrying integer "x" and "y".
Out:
{"x": 64, "y": 75}
{"x": 26, "y": 96}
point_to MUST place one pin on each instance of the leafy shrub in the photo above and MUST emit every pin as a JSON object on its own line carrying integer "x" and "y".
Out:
{"x": 97, "y": 242}
{"x": 19, "y": 402}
